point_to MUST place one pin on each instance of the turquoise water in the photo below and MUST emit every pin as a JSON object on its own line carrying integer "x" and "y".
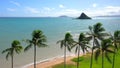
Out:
{"x": 53, "y": 28}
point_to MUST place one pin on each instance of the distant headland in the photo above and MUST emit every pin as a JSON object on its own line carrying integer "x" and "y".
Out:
{"x": 83, "y": 16}
{"x": 63, "y": 16}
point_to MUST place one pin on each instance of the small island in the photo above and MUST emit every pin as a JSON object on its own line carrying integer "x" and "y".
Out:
{"x": 83, "y": 16}
{"x": 63, "y": 16}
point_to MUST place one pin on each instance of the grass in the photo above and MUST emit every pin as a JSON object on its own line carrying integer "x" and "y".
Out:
{"x": 85, "y": 62}
{"x": 76, "y": 59}
{"x": 62, "y": 66}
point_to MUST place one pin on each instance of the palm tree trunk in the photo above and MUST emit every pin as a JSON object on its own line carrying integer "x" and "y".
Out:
{"x": 12, "y": 60}
{"x": 91, "y": 60}
{"x": 114, "y": 57}
{"x": 102, "y": 60}
{"x": 65, "y": 57}
{"x": 78, "y": 56}
{"x": 113, "y": 60}
{"x": 34, "y": 56}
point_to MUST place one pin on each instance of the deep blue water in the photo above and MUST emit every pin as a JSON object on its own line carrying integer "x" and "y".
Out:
{"x": 53, "y": 28}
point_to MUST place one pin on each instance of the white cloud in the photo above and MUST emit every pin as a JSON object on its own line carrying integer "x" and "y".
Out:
{"x": 32, "y": 10}
{"x": 68, "y": 12}
{"x": 48, "y": 9}
{"x": 11, "y": 9}
{"x": 15, "y": 3}
{"x": 108, "y": 10}
{"x": 72, "y": 11}
{"x": 61, "y": 6}
{"x": 113, "y": 8}
{"x": 94, "y": 5}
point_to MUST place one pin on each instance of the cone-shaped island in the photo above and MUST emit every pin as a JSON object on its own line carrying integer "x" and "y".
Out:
{"x": 83, "y": 16}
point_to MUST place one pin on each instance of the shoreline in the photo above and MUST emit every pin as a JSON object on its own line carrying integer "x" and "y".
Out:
{"x": 50, "y": 61}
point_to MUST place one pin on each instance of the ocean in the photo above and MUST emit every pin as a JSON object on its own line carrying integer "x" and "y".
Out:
{"x": 20, "y": 28}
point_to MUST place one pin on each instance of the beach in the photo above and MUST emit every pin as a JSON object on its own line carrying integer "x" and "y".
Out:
{"x": 48, "y": 63}
{"x": 51, "y": 62}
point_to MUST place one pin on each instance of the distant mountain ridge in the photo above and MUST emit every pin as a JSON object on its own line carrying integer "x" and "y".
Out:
{"x": 63, "y": 16}
{"x": 109, "y": 16}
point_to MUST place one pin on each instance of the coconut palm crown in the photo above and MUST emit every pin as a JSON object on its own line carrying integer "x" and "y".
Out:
{"x": 38, "y": 40}
{"x": 15, "y": 48}
{"x": 105, "y": 49}
{"x": 81, "y": 44}
{"x": 67, "y": 42}
{"x": 116, "y": 42}
{"x": 96, "y": 33}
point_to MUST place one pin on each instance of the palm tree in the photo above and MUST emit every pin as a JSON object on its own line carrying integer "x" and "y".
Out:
{"x": 104, "y": 49}
{"x": 67, "y": 42}
{"x": 116, "y": 40}
{"x": 96, "y": 34}
{"x": 15, "y": 47}
{"x": 38, "y": 39}
{"x": 81, "y": 44}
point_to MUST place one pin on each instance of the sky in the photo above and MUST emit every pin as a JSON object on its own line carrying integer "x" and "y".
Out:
{"x": 54, "y": 8}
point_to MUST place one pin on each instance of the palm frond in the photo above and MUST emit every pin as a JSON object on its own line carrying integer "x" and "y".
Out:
{"x": 28, "y": 41}
{"x": 98, "y": 28}
{"x": 87, "y": 47}
{"x": 104, "y": 34}
{"x": 108, "y": 57}
{"x": 97, "y": 53}
{"x": 62, "y": 44}
{"x": 6, "y": 50}
{"x": 83, "y": 48}
{"x": 69, "y": 43}
{"x": 74, "y": 45}
{"x": 110, "y": 51}
{"x": 8, "y": 54}
{"x": 88, "y": 33}
{"x": 42, "y": 39}
{"x": 42, "y": 45}
{"x": 28, "y": 47}
{"x": 15, "y": 43}
{"x": 76, "y": 49}
{"x": 58, "y": 41}
{"x": 18, "y": 49}
{"x": 69, "y": 48}
{"x": 88, "y": 38}
{"x": 101, "y": 29}
{"x": 96, "y": 42}
{"x": 117, "y": 34}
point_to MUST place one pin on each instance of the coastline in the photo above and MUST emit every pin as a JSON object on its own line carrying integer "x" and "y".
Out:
{"x": 48, "y": 63}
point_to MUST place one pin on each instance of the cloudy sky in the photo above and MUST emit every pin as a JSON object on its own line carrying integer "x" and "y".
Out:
{"x": 53, "y": 8}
